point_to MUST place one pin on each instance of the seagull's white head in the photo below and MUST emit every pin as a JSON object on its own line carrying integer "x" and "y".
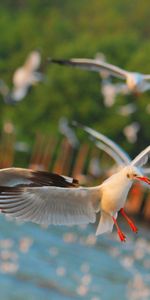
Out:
{"x": 134, "y": 173}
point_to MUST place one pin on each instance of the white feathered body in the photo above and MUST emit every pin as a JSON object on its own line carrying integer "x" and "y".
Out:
{"x": 114, "y": 193}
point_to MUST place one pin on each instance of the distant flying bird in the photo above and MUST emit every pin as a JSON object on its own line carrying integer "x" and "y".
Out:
{"x": 48, "y": 198}
{"x": 136, "y": 82}
{"x": 26, "y": 76}
{"x": 65, "y": 129}
{"x": 109, "y": 89}
{"x": 131, "y": 132}
{"x": 127, "y": 109}
{"x": 23, "y": 78}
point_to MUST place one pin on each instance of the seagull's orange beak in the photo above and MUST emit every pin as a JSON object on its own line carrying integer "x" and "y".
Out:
{"x": 143, "y": 178}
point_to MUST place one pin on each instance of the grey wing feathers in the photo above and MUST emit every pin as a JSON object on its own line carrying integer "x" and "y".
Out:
{"x": 110, "y": 152}
{"x": 26, "y": 177}
{"x": 53, "y": 179}
{"x": 50, "y": 205}
{"x": 92, "y": 65}
{"x": 111, "y": 144}
{"x": 142, "y": 158}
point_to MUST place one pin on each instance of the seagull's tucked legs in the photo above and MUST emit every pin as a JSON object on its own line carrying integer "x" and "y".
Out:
{"x": 130, "y": 222}
{"x": 119, "y": 231}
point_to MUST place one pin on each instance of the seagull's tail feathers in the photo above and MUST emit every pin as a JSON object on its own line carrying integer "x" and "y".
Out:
{"x": 105, "y": 224}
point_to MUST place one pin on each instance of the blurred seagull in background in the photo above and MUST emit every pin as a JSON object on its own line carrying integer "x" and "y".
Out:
{"x": 48, "y": 198}
{"x": 66, "y": 130}
{"x": 26, "y": 76}
{"x": 127, "y": 109}
{"x": 131, "y": 132}
{"x": 23, "y": 78}
{"x": 136, "y": 82}
{"x": 109, "y": 89}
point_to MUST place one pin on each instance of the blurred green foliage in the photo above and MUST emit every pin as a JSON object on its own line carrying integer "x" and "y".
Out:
{"x": 66, "y": 29}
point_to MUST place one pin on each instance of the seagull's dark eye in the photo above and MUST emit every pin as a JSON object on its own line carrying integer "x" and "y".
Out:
{"x": 128, "y": 176}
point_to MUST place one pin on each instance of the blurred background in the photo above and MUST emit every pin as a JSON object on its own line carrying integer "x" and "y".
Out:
{"x": 59, "y": 262}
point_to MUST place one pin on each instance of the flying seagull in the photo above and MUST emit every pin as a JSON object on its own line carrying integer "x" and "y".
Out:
{"x": 131, "y": 132}
{"x": 66, "y": 130}
{"x": 48, "y": 198}
{"x": 136, "y": 82}
{"x": 23, "y": 78}
{"x": 26, "y": 76}
{"x": 109, "y": 89}
{"x": 126, "y": 109}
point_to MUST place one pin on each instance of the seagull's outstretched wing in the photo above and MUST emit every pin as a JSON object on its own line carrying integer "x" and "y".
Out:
{"x": 16, "y": 177}
{"x": 110, "y": 152}
{"x": 50, "y": 205}
{"x": 142, "y": 158}
{"x": 124, "y": 157}
{"x": 92, "y": 65}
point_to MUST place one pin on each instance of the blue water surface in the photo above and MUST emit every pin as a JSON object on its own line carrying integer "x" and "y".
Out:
{"x": 71, "y": 263}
